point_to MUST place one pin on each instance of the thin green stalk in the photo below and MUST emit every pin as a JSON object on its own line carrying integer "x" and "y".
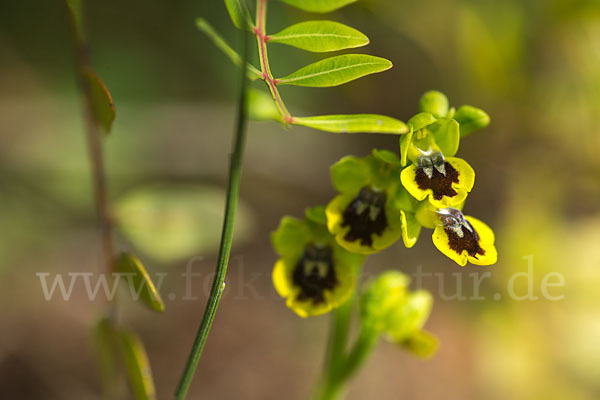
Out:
{"x": 334, "y": 358}
{"x": 95, "y": 151}
{"x": 339, "y": 336}
{"x": 341, "y": 366}
{"x": 218, "y": 285}
{"x": 362, "y": 349}
{"x": 267, "y": 76}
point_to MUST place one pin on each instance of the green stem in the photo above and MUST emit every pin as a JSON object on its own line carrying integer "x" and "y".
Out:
{"x": 261, "y": 39}
{"x": 341, "y": 367}
{"x": 96, "y": 156}
{"x": 218, "y": 285}
{"x": 362, "y": 349}
{"x": 334, "y": 359}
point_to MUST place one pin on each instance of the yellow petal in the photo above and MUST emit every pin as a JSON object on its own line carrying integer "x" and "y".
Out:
{"x": 442, "y": 242}
{"x": 486, "y": 241}
{"x": 486, "y": 234}
{"x": 410, "y": 229}
{"x": 334, "y": 212}
{"x": 281, "y": 278}
{"x": 445, "y": 202}
{"x": 408, "y": 178}
{"x": 466, "y": 174}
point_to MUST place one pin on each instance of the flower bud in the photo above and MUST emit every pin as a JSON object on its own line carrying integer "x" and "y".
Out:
{"x": 435, "y": 103}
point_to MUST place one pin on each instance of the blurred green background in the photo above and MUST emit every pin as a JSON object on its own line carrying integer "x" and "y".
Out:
{"x": 534, "y": 66}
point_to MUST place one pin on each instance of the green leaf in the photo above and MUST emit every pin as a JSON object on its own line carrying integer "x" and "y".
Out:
{"x": 204, "y": 26}
{"x": 435, "y": 103}
{"x": 317, "y": 215}
{"x": 76, "y": 12}
{"x": 349, "y": 173}
{"x": 102, "y": 103}
{"x": 366, "y": 123}
{"x": 170, "y": 222}
{"x": 421, "y": 120}
{"x": 140, "y": 282}
{"x": 447, "y": 135}
{"x": 422, "y": 344}
{"x": 336, "y": 70}
{"x": 238, "y": 11}
{"x": 137, "y": 366}
{"x": 318, "y": 6}
{"x": 105, "y": 342}
{"x": 320, "y": 36}
{"x": 471, "y": 119}
{"x": 261, "y": 107}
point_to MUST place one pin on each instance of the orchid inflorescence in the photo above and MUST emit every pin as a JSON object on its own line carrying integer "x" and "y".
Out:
{"x": 384, "y": 197}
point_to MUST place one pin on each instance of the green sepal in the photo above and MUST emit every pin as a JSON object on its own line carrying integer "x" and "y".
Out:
{"x": 435, "y": 103}
{"x": 381, "y": 297}
{"x": 471, "y": 119}
{"x": 409, "y": 318}
{"x": 350, "y": 174}
{"x": 405, "y": 142}
{"x": 422, "y": 344}
{"x": 316, "y": 215}
{"x": 290, "y": 235}
{"x": 446, "y": 134}
{"x": 386, "y": 156}
{"x": 420, "y": 121}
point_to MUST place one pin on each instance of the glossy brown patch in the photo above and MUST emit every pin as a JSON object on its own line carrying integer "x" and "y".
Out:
{"x": 469, "y": 241}
{"x": 365, "y": 216}
{"x": 440, "y": 184}
{"x": 314, "y": 273}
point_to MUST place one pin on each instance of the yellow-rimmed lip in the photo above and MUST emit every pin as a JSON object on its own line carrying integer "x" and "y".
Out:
{"x": 476, "y": 247}
{"x": 443, "y": 189}
{"x": 378, "y": 240}
{"x": 283, "y": 280}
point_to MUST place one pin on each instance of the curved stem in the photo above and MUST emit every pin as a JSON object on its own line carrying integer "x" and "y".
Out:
{"x": 94, "y": 143}
{"x": 218, "y": 285}
{"x": 361, "y": 350}
{"x": 341, "y": 366}
{"x": 261, "y": 39}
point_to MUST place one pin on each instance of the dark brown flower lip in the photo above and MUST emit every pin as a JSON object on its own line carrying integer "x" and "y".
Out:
{"x": 438, "y": 178}
{"x": 315, "y": 273}
{"x": 365, "y": 215}
{"x": 461, "y": 234}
